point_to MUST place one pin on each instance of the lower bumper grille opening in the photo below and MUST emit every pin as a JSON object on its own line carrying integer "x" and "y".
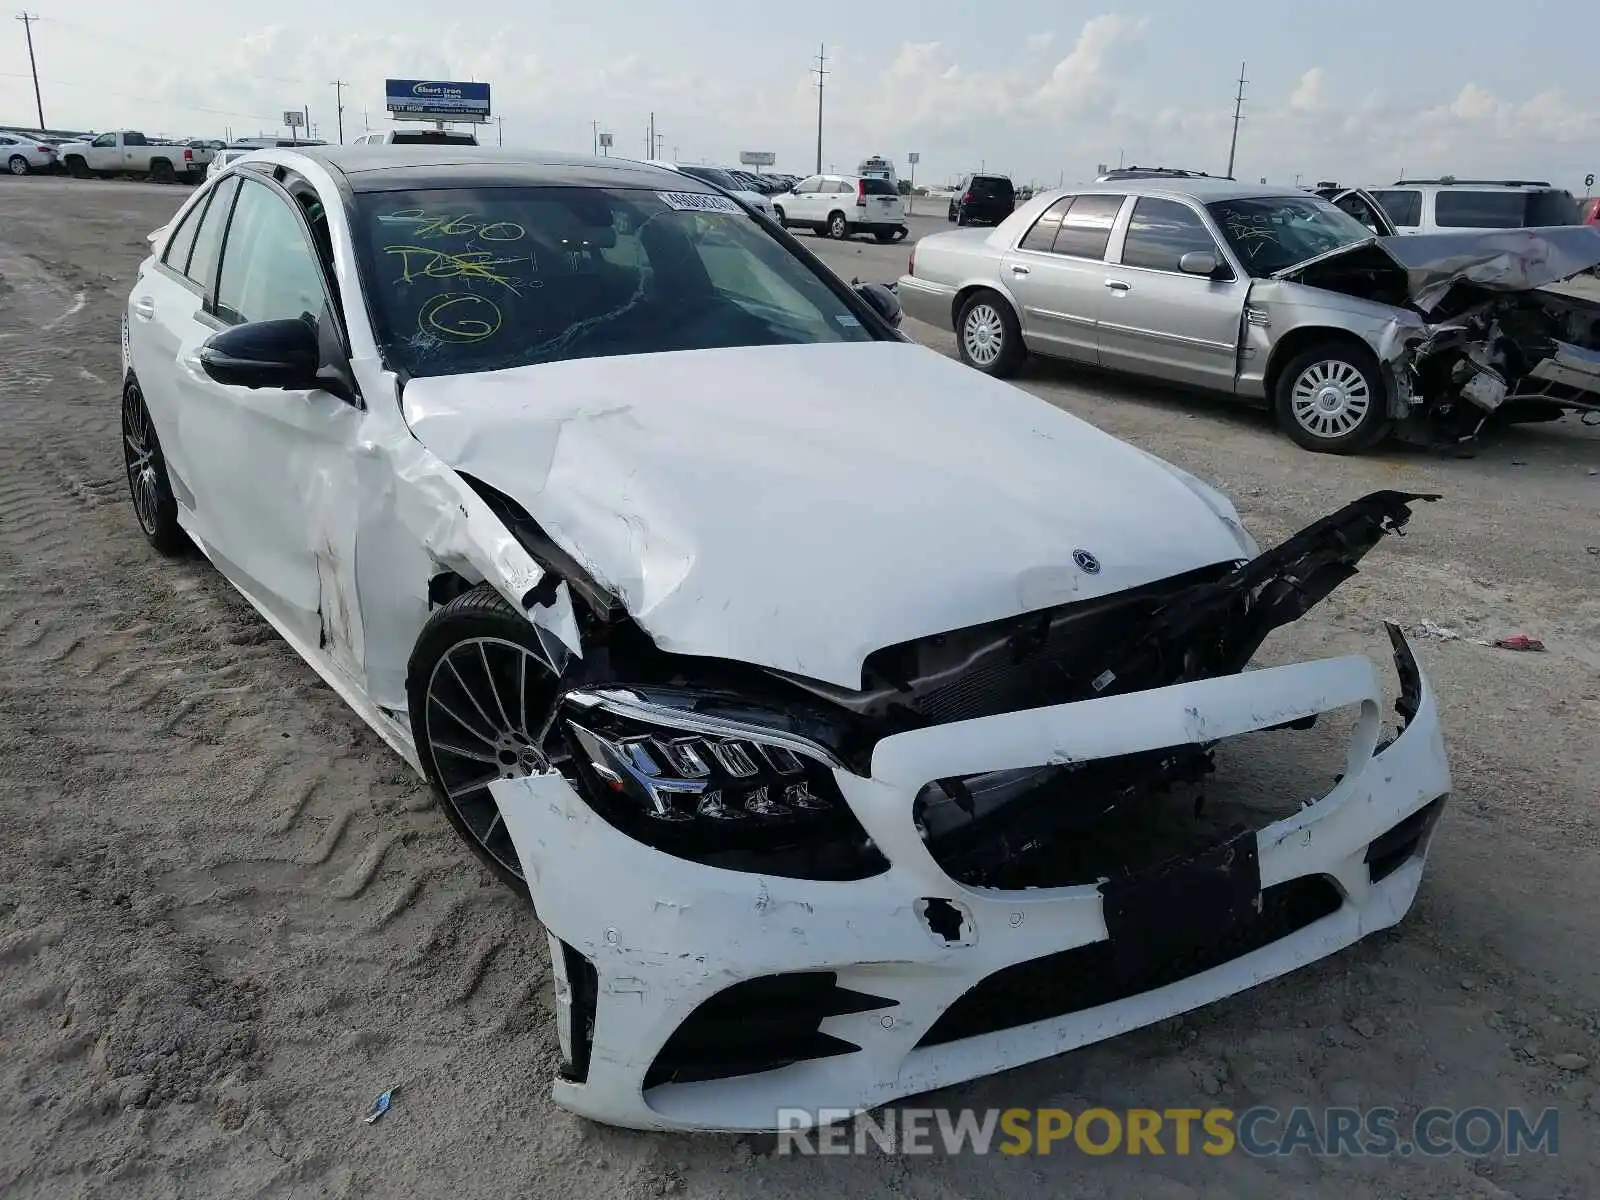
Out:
{"x": 1392, "y": 850}
{"x": 1085, "y": 977}
{"x": 760, "y": 1025}
{"x": 584, "y": 981}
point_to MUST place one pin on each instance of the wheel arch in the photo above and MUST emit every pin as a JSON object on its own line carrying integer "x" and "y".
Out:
{"x": 967, "y": 290}
{"x": 1303, "y": 337}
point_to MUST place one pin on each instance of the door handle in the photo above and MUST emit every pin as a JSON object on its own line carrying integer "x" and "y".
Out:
{"x": 1116, "y": 285}
{"x": 1018, "y": 270}
{"x": 144, "y": 308}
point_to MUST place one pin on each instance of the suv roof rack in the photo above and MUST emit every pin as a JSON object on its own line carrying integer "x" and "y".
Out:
{"x": 1158, "y": 173}
{"x": 1449, "y": 181}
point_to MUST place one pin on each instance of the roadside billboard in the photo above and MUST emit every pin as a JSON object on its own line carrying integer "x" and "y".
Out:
{"x": 436, "y": 100}
{"x": 757, "y": 158}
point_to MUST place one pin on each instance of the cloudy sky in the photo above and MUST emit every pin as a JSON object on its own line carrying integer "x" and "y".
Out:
{"x": 1355, "y": 91}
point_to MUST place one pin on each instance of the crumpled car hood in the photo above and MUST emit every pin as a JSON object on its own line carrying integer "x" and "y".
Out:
{"x": 1497, "y": 260}
{"x": 798, "y": 507}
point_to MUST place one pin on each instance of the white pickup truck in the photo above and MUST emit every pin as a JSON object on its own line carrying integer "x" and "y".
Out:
{"x": 127, "y": 152}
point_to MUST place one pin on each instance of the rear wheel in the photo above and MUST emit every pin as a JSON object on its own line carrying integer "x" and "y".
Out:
{"x": 161, "y": 171}
{"x": 838, "y": 227}
{"x": 153, "y": 504}
{"x": 988, "y": 336}
{"x": 1330, "y": 398}
{"x": 482, "y": 700}
{"x": 18, "y": 165}
{"x": 961, "y": 216}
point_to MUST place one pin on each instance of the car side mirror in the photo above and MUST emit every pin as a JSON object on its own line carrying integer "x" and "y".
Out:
{"x": 883, "y": 301}
{"x": 264, "y": 354}
{"x": 1199, "y": 262}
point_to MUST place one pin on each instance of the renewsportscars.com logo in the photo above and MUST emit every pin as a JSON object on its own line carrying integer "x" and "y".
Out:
{"x": 1258, "y": 1132}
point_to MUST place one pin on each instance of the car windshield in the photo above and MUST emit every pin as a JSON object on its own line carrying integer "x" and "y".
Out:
{"x": 715, "y": 176}
{"x": 1270, "y": 233}
{"x": 477, "y": 279}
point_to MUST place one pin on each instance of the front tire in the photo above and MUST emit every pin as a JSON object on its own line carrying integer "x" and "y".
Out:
{"x": 988, "y": 337}
{"x": 783, "y": 221}
{"x": 481, "y": 695}
{"x": 1330, "y": 398}
{"x": 154, "y": 506}
{"x": 18, "y": 165}
{"x": 78, "y": 168}
{"x": 884, "y": 235}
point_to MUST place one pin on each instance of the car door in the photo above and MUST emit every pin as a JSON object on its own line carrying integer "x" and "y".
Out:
{"x": 163, "y": 327}
{"x": 273, "y": 471}
{"x": 1365, "y": 208}
{"x": 794, "y": 203}
{"x": 1057, "y": 273}
{"x": 104, "y": 153}
{"x": 1162, "y": 321}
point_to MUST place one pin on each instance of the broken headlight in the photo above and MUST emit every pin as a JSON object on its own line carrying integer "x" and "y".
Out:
{"x": 734, "y": 793}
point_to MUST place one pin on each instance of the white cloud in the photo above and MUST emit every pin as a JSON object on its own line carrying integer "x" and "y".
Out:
{"x": 1308, "y": 95}
{"x": 1040, "y": 41}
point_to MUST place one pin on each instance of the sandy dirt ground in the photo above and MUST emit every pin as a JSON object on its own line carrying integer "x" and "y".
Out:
{"x": 229, "y": 916}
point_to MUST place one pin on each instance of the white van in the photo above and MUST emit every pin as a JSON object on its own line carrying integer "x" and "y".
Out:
{"x": 416, "y": 137}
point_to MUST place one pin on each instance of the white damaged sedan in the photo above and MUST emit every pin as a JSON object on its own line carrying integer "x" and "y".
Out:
{"x": 825, "y": 697}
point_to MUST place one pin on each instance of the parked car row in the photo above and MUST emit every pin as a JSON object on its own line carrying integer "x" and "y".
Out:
{"x": 27, "y": 153}
{"x": 1315, "y": 305}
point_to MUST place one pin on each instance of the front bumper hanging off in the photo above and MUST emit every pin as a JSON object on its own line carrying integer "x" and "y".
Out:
{"x": 859, "y": 986}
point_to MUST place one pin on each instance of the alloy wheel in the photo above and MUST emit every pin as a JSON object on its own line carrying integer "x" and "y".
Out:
{"x": 488, "y": 719}
{"x": 1330, "y": 398}
{"x": 139, "y": 453}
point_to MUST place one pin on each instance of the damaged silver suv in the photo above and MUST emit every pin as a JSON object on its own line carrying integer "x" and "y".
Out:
{"x": 1286, "y": 298}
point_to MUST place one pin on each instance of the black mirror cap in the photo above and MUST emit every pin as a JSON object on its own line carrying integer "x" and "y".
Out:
{"x": 264, "y": 354}
{"x": 884, "y": 302}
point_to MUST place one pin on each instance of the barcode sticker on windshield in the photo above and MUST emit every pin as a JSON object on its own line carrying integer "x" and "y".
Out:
{"x": 698, "y": 202}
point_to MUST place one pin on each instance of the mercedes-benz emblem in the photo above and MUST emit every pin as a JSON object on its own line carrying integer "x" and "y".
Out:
{"x": 1087, "y": 563}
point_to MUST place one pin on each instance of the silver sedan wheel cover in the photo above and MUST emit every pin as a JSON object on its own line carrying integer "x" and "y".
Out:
{"x": 983, "y": 335}
{"x": 1330, "y": 398}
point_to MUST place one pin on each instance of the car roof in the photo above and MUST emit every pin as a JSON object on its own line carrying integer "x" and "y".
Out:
{"x": 1203, "y": 191}
{"x": 390, "y": 168}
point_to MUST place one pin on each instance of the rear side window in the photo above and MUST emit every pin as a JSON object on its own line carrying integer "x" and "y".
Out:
{"x": 182, "y": 242}
{"x": 1403, "y": 205}
{"x": 1042, "y": 236}
{"x": 1465, "y": 208}
{"x": 878, "y": 187}
{"x": 202, "y": 266}
{"x": 1162, "y": 232}
{"x": 1087, "y": 226}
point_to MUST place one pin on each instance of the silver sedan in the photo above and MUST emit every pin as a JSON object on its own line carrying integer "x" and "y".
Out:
{"x": 1305, "y": 303}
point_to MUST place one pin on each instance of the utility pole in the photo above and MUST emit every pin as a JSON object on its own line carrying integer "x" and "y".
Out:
{"x": 27, "y": 31}
{"x": 338, "y": 94}
{"x": 307, "y": 110}
{"x": 594, "y": 130}
{"x": 821, "y": 70}
{"x": 650, "y": 148}
{"x": 500, "y": 131}
{"x": 1238, "y": 111}
{"x": 660, "y": 137}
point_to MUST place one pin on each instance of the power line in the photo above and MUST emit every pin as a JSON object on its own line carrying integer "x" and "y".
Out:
{"x": 33, "y": 66}
{"x": 218, "y": 112}
{"x": 143, "y": 47}
{"x": 1238, "y": 115}
{"x": 820, "y": 70}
